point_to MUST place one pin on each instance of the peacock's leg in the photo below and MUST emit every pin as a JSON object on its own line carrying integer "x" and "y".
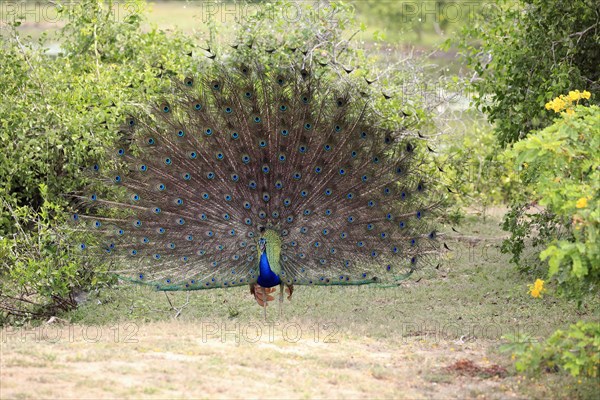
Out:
{"x": 280, "y": 300}
{"x": 265, "y": 303}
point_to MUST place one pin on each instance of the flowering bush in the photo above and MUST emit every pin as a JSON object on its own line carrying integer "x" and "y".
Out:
{"x": 561, "y": 171}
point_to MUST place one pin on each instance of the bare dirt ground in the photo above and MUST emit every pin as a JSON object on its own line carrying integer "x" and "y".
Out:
{"x": 250, "y": 360}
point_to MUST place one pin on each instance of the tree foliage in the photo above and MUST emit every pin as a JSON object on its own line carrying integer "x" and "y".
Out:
{"x": 524, "y": 53}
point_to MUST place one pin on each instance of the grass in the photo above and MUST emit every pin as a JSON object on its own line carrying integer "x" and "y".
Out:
{"x": 356, "y": 342}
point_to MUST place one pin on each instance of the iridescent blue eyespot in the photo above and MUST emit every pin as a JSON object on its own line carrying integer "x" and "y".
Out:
{"x": 193, "y": 155}
{"x": 282, "y": 157}
{"x": 307, "y": 126}
{"x": 287, "y": 201}
{"x": 198, "y": 106}
{"x": 342, "y": 171}
{"x": 350, "y": 196}
{"x": 248, "y": 221}
{"x": 135, "y": 197}
{"x": 370, "y": 227}
{"x": 363, "y": 135}
{"x": 353, "y": 154}
{"x": 162, "y": 187}
{"x": 262, "y": 143}
{"x": 97, "y": 224}
{"x": 117, "y": 179}
{"x": 235, "y": 177}
{"x": 245, "y": 159}
{"x": 290, "y": 219}
{"x": 328, "y": 192}
{"x": 156, "y": 210}
{"x": 325, "y": 232}
{"x": 205, "y": 196}
{"x": 327, "y": 147}
{"x": 257, "y": 119}
{"x": 228, "y": 110}
{"x": 307, "y": 212}
{"x": 302, "y": 149}
{"x": 93, "y": 197}
{"x": 303, "y": 193}
{"x": 180, "y": 221}
{"x": 318, "y": 170}
{"x": 266, "y": 169}
{"x": 203, "y": 217}
{"x": 168, "y": 161}
{"x": 297, "y": 176}
{"x": 283, "y": 107}
{"x": 328, "y": 212}
{"x": 189, "y": 238}
{"x": 252, "y": 184}
{"x": 343, "y": 235}
{"x": 418, "y": 214}
{"x": 208, "y": 132}
{"x": 351, "y": 219}
{"x": 181, "y": 133}
{"x": 262, "y": 215}
{"x": 121, "y": 152}
{"x": 179, "y": 201}
{"x": 338, "y": 128}
{"x": 227, "y": 197}
{"x": 284, "y": 132}
{"x": 210, "y": 175}
{"x": 151, "y": 141}
{"x": 235, "y": 135}
{"x": 220, "y": 156}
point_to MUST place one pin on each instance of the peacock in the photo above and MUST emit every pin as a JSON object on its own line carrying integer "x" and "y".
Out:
{"x": 267, "y": 175}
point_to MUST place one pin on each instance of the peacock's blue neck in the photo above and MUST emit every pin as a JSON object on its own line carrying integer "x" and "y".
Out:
{"x": 266, "y": 276}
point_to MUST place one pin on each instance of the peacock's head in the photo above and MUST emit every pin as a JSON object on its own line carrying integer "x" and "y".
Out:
{"x": 262, "y": 244}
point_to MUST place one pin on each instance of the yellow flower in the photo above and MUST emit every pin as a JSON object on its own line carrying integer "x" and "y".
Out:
{"x": 574, "y": 95}
{"x": 581, "y": 203}
{"x": 537, "y": 288}
{"x": 585, "y": 95}
{"x": 570, "y": 111}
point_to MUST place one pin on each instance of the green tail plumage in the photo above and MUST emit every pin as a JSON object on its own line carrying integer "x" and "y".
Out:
{"x": 295, "y": 153}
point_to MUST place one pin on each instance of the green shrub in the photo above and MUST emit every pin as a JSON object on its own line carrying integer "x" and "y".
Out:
{"x": 563, "y": 176}
{"x": 575, "y": 350}
{"x": 523, "y": 52}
